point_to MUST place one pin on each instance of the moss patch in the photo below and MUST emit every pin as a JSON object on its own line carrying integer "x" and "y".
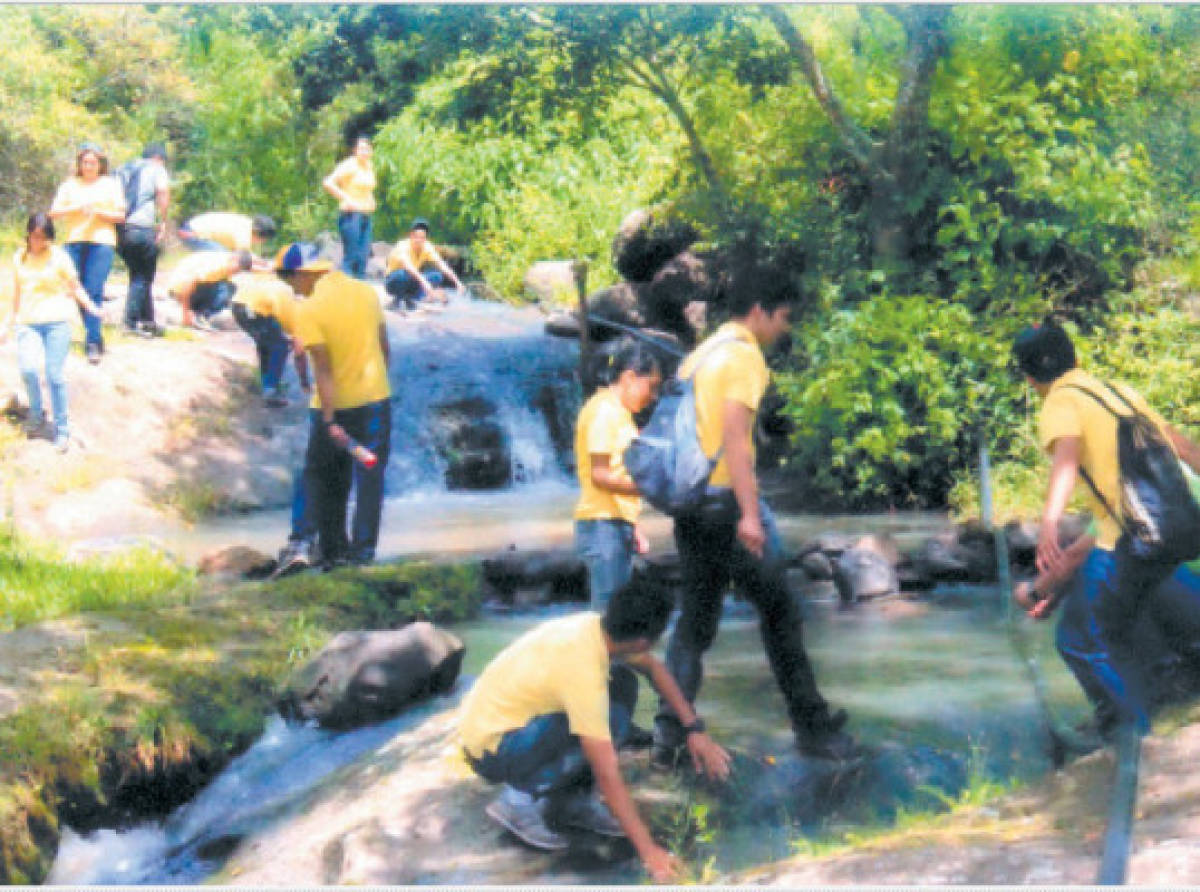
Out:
{"x": 141, "y": 711}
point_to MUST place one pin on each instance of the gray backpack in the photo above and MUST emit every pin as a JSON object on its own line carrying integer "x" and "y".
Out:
{"x": 666, "y": 460}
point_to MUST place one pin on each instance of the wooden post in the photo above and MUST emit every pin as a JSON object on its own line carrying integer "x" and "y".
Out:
{"x": 579, "y": 269}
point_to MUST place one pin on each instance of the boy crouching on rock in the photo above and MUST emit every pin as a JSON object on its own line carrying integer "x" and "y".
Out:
{"x": 547, "y": 716}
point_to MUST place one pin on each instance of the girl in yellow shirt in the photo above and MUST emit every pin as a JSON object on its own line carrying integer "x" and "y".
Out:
{"x": 89, "y": 206}
{"x": 352, "y": 183}
{"x": 606, "y": 534}
{"x": 45, "y": 291}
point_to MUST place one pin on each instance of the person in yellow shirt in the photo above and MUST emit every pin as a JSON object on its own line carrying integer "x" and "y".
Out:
{"x": 606, "y": 533}
{"x": 46, "y": 290}
{"x": 264, "y": 307}
{"x": 733, "y": 535}
{"x": 352, "y": 183}
{"x": 224, "y": 231}
{"x": 1077, "y": 428}
{"x": 548, "y": 714}
{"x": 407, "y": 268}
{"x": 341, "y": 327}
{"x": 201, "y": 283}
{"x": 88, "y": 207}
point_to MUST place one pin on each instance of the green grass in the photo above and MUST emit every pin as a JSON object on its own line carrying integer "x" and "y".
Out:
{"x": 36, "y": 583}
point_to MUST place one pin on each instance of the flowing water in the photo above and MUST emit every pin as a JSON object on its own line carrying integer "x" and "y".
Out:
{"x": 936, "y": 692}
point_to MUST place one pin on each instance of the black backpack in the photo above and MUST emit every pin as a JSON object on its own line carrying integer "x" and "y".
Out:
{"x": 129, "y": 175}
{"x": 1158, "y": 515}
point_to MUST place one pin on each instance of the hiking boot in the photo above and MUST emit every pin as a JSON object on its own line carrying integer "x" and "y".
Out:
{"x": 521, "y": 815}
{"x": 296, "y": 557}
{"x": 665, "y": 757}
{"x": 151, "y": 329}
{"x": 93, "y": 352}
{"x": 62, "y": 443}
{"x": 36, "y": 427}
{"x": 587, "y": 811}
{"x": 638, "y": 738}
{"x": 831, "y": 746}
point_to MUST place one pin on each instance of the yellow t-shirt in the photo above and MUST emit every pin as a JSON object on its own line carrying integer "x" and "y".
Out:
{"x": 404, "y": 248}
{"x": 103, "y": 194}
{"x": 343, "y": 315}
{"x": 45, "y": 285}
{"x": 358, "y": 182}
{"x": 560, "y": 666}
{"x": 201, "y": 268}
{"x": 1067, "y": 412}
{"x": 232, "y": 231}
{"x": 264, "y": 294}
{"x": 605, "y": 427}
{"x": 733, "y": 370}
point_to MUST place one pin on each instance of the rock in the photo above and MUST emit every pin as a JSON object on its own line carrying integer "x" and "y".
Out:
{"x": 380, "y": 250}
{"x": 817, "y": 565}
{"x": 913, "y": 578}
{"x": 236, "y": 560}
{"x": 527, "y": 578}
{"x": 552, "y": 281}
{"x": 620, "y": 303}
{"x": 645, "y": 242}
{"x": 833, "y": 544}
{"x": 363, "y": 677}
{"x": 883, "y": 545}
{"x": 472, "y": 443}
{"x": 376, "y": 268}
{"x": 329, "y": 244}
{"x": 563, "y": 324}
{"x": 860, "y": 575}
{"x": 680, "y": 281}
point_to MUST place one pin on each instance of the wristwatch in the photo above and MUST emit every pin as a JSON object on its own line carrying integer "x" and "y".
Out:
{"x": 696, "y": 727}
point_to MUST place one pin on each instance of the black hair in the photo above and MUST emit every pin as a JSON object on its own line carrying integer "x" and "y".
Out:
{"x": 155, "y": 150}
{"x": 1044, "y": 352}
{"x": 264, "y": 226}
{"x": 245, "y": 260}
{"x": 762, "y": 286}
{"x": 631, "y": 355}
{"x": 39, "y": 222}
{"x": 420, "y": 223}
{"x": 639, "y": 609}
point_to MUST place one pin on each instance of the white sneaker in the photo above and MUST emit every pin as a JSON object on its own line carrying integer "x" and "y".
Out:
{"x": 522, "y": 815}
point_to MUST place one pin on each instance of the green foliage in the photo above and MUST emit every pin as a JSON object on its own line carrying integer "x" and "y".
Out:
{"x": 36, "y": 583}
{"x": 888, "y": 400}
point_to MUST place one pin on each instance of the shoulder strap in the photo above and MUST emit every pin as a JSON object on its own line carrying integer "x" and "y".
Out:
{"x": 1087, "y": 478}
{"x": 710, "y": 348}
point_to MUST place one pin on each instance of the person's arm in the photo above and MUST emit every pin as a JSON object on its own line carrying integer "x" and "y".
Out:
{"x": 183, "y": 294}
{"x": 162, "y": 201}
{"x": 300, "y": 361}
{"x": 448, "y": 272}
{"x": 406, "y": 262}
{"x": 1041, "y": 597}
{"x": 1063, "y": 469}
{"x": 608, "y": 479}
{"x": 385, "y": 346}
{"x": 736, "y": 431}
{"x": 326, "y": 392}
{"x": 708, "y": 757}
{"x": 1188, "y": 451}
{"x": 602, "y": 757}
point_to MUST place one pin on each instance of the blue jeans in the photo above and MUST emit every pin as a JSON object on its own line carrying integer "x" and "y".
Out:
{"x": 711, "y": 556}
{"x": 403, "y": 286}
{"x": 272, "y": 344}
{"x": 606, "y": 549}
{"x": 544, "y": 758}
{"x": 192, "y": 243}
{"x": 329, "y": 472}
{"x": 48, "y": 343}
{"x": 355, "y": 229}
{"x": 210, "y": 298}
{"x": 304, "y": 524}
{"x": 93, "y": 263}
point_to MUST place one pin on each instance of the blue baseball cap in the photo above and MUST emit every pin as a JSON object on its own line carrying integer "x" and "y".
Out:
{"x": 301, "y": 257}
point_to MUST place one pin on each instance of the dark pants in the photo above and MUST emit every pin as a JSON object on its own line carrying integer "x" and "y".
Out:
{"x": 272, "y": 344}
{"x": 1133, "y": 588}
{"x": 210, "y": 298}
{"x": 93, "y": 262}
{"x": 544, "y": 758}
{"x": 403, "y": 286}
{"x": 138, "y": 247}
{"x": 304, "y": 524}
{"x": 329, "y": 472}
{"x": 711, "y": 556}
{"x": 355, "y": 229}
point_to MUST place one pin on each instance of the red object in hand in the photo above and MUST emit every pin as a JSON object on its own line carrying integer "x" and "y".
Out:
{"x": 360, "y": 453}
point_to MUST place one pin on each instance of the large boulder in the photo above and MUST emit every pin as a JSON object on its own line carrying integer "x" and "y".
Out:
{"x": 620, "y": 303}
{"x": 363, "y": 677}
{"x": 861, "y": 574}
{"x": 645, "y": 241}
{"x": 472, "y": 443}
{"x": 679, "y": 283}
{"x": 236, "y": 560}
{"x": 552, "y": 281}
{"x": 535, "y": 576}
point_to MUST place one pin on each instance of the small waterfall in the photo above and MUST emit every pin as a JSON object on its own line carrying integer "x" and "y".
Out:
{"x": 482, "y": 400}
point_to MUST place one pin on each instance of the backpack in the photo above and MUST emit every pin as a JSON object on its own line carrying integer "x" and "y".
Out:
{"x": 1158, "y": 515}
{"x": 666, "y": 461}
{"x": 129, "y": 175}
